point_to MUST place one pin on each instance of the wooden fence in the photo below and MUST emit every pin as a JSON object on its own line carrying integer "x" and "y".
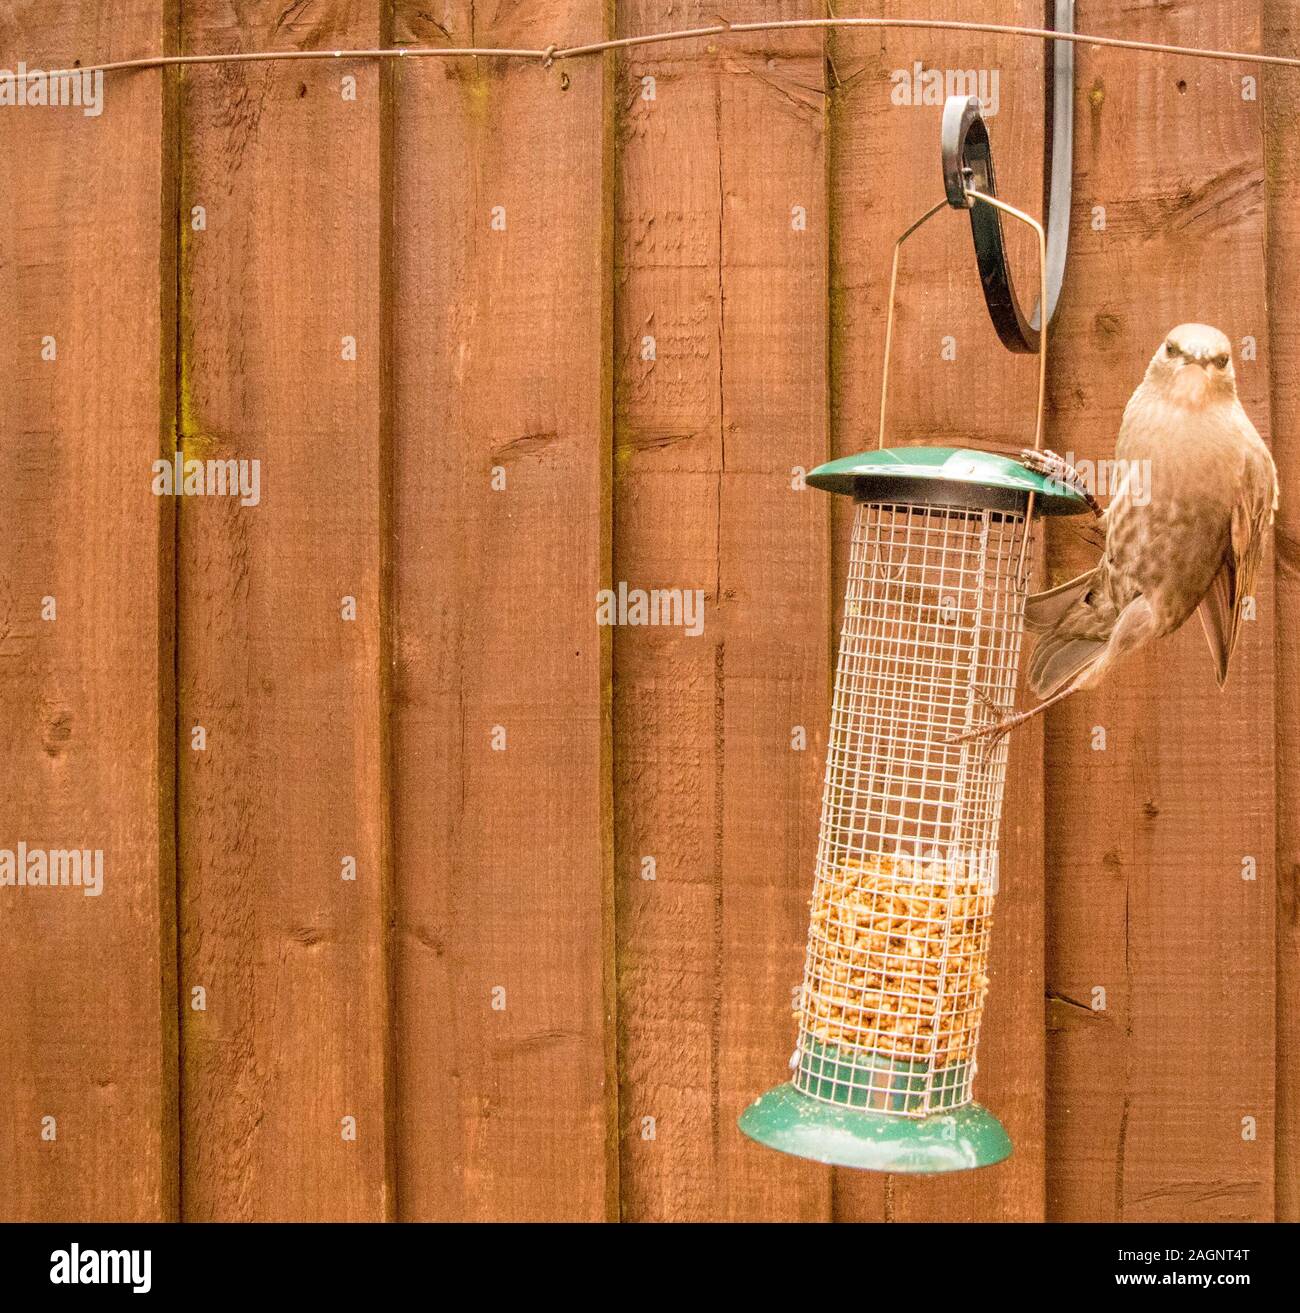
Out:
{"x": 379, "y": 800}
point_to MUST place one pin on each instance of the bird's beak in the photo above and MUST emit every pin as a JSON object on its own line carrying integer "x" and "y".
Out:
{"x": 1191, "y": 384}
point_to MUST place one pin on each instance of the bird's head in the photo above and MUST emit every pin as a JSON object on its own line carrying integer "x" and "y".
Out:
{"x": 1193, "y": 366}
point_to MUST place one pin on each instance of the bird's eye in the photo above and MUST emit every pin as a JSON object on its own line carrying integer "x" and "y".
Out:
{"x": 1220, "y": 362}
{"x": 1171, "y": 349}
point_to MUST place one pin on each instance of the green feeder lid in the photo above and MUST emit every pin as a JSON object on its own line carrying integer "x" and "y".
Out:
{"x": 948, "y": 476}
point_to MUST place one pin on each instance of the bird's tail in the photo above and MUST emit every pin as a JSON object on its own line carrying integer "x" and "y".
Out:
{"x": 1062, "y": 653}
{"x": 1043, "y": 611}
{"x": 1058, "y": 659}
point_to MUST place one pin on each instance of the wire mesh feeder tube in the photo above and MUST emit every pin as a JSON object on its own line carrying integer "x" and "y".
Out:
{"x": 896, "y": 969}
{"x": 902, "y": 907}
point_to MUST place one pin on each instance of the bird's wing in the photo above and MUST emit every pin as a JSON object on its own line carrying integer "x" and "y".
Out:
{"x": 1220, "y": 608}
{"x": 1216, "y": 610}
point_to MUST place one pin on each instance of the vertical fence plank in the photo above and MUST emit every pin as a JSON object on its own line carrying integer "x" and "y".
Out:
{"x": 952, "y": 384}
{"x": 282, "y": 899}
{"x": 1282, "y": 104}
{"x": 720, "y": 360}
{"x": 501, "y": 718}
{"x": 1149, "y": 827}
{"x": 87, "y": 1029}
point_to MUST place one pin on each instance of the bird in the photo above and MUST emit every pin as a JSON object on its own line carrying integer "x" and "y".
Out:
{"x": 1184, "y": 531}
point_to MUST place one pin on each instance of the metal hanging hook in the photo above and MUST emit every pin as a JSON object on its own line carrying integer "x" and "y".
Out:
{"x": 968, "y": 169}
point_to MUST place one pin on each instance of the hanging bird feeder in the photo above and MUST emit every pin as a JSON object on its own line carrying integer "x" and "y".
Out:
{"x": 906, "y": 872}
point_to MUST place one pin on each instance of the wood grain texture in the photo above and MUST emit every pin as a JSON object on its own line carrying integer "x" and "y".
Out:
{"x": 885, "y": 172}
{"x": 1282, "y": 105}
{"x": 718, "y": 277}
{"x": 1146, "y": 838}
{"x": 501, "y": 680}
{"x": 288, "y": 690}
{"x": 87, "y": 1026}
{"x": 507, "y": 443}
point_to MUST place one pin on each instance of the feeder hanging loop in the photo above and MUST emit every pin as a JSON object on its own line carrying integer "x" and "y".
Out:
{"x": 968, "y": 168}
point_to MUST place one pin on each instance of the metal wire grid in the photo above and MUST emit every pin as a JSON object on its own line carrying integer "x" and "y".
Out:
{"x": 896, "y": 967}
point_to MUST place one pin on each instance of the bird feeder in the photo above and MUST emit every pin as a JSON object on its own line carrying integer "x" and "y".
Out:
{"x": 896, "y": 967}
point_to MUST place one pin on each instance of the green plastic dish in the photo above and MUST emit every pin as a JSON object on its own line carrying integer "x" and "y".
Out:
{"x": 798, "y": 1124}
{"x": 947, "y": 476}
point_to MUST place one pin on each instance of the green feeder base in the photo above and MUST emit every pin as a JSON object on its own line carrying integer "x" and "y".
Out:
{"x": 786, "y": 1119}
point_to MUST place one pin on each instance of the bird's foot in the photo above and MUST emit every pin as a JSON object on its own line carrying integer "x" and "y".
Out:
{"x": 994, "y": 728}
{"x": 993, "y": 732}
{"x": 1057, "y": 468}
{"x": 989, "y": 705}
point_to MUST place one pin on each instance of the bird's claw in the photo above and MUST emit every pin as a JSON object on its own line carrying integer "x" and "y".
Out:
{"x": 988, "y": 702}
{"x": 991, "y": 731}
{"x": 1051, "y": 466}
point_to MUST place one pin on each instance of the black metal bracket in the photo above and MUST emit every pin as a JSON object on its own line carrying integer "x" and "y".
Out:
{"x": 968, "y": 164}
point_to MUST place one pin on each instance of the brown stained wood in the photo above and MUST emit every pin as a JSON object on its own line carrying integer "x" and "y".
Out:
{"x": 885, "y": 172}
{"x": 87, "y": 1027}
{"x": 501, "y": 674}
{"x": 721, "y": 279}
{"x": 1281, "y": 94}
{"x": 288, "y": 691}
{"x": 1146, "y": 838}
{"x": 522, "y": 353}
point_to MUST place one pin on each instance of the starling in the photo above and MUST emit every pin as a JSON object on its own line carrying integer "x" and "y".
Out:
{"x": 1184, "y": 530}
